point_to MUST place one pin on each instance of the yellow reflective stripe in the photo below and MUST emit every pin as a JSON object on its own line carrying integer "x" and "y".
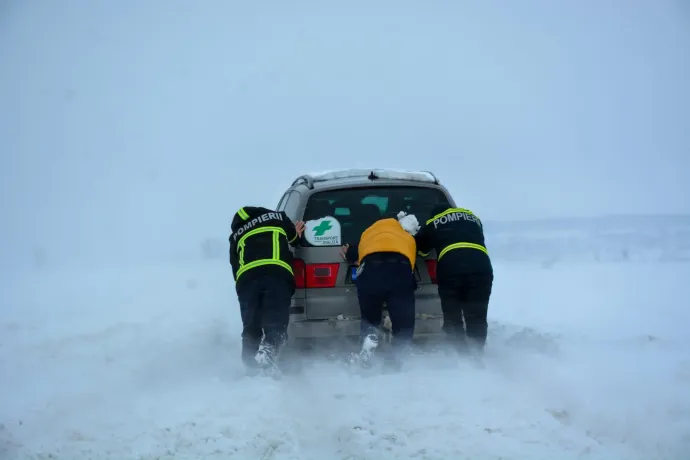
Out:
{"x": 423, "y": 254}
{"x": 260, "y": 263}
{"x": 293, "y": 238}
{"x": 450, "y": 211}
{"x": 243, "y": 214}
{"x": 261, "y": 230}
{"x": 462, "y": 245}
{"x": 274, "y": 260}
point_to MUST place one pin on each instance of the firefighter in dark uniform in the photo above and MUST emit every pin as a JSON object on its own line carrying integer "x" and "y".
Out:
{"x": 386, "y": 255}
{"x": 464, "y": 274}
{"x": 262, "y": 268}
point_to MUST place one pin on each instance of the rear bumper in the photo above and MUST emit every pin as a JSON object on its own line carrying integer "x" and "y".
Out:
{"x": 425, "y": 325}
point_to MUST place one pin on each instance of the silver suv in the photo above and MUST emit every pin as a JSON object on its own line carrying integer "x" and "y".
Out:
{"x": 337, "y": 207}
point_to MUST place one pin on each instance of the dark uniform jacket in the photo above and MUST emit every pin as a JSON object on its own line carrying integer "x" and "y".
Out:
{"x": 457, "y": 236}
{"x": 260, "y": 244}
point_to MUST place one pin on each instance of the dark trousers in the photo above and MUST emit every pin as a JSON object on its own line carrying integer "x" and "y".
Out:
{"x": 265, "y": 308}
{"x": 466, "y": 295}
{"x": 387, "y": 279}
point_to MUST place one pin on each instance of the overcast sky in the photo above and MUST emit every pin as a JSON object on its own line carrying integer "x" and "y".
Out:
{"x": 133, "y": 127}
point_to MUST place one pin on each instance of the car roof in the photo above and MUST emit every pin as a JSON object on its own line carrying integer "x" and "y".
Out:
{"x": 364, "y": 177}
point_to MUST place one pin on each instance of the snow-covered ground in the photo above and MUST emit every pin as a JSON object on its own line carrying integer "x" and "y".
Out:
{"x": 586, "y": 360}
{"x": 131, "y": 131}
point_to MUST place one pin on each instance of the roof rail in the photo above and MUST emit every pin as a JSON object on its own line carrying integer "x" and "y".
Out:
{"x": 371, "y": 174}
{"x": 305, "y": 179}
{"x": 436, "y": 181}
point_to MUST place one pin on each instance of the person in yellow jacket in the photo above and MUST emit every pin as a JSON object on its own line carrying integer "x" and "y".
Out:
{"x": 386, "y": 256}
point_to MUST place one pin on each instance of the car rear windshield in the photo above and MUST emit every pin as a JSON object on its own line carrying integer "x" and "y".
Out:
{"x": 358, "y": 208}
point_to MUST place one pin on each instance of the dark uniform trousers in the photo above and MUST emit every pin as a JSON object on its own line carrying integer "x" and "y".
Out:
{"x": 387, "y": 277}
{"x": 466, "y": 295}
{"x": 265, "y": 308}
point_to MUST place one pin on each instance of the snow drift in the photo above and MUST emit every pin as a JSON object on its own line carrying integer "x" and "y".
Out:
{"x": 584, "y": 361}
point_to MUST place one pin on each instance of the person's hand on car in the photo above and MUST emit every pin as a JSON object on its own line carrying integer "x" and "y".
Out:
{"x": 343, "y": 251}
{"x": 299, "y": 226}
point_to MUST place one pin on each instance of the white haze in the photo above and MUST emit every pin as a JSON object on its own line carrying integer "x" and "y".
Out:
{"x": 131, "y": 131}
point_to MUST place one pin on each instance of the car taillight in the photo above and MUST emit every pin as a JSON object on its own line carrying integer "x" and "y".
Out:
{"x": 431, "y": 268}
{"x": 299, "y": 270}
{"x": 315, "y": 275}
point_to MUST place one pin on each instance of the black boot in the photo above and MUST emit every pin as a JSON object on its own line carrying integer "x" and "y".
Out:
{"x": 399, "y": 351}
{"x": 369, "y": 342}
{"x": 268, "y": 355}
{"x": 475, "y": 351}
{"x": 456, "y": 338}
{"x": 250, "y": 346}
